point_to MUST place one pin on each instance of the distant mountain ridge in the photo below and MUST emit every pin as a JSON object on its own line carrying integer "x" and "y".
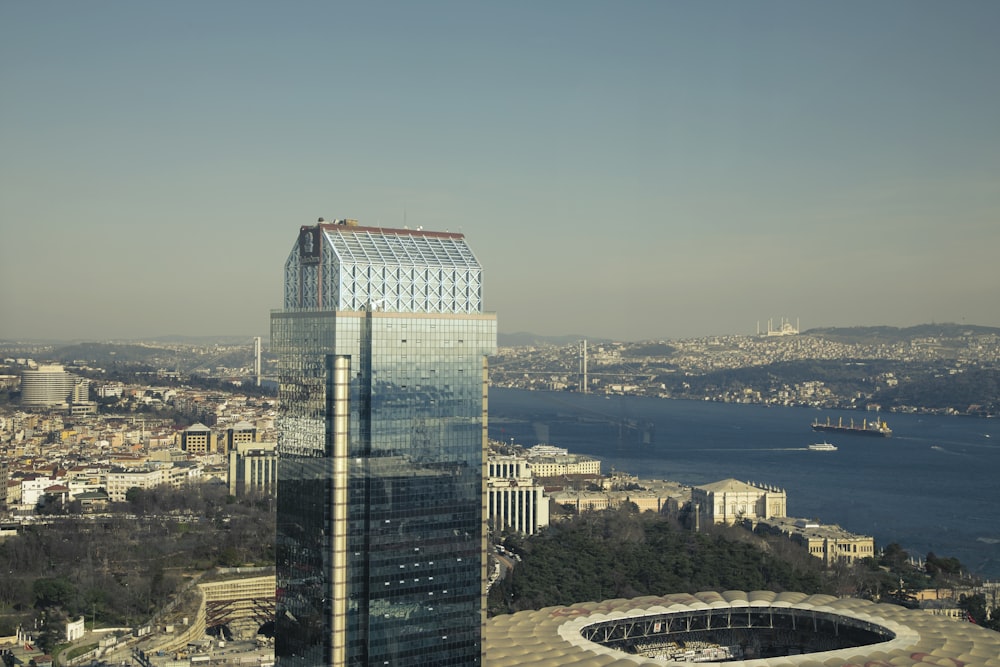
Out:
{"x": 859, "y": 334}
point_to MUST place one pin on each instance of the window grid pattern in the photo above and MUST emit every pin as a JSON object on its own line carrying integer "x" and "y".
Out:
{"x": 391, "y": 272}
{"x": 411, "y": 538}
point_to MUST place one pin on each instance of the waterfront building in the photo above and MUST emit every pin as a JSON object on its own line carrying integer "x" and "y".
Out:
{"x": 542, "y": 449}
{"x": 582, "y": 501}
{"x": 644, "y": 499}
{"x": 381, "y": 551}
{"x": 564, "y": 464}
{"x": 830, "y": 543}
{"x": 515, "y": 500}
{"x": 730, "y": 501}
{"x": 253, "y": 469}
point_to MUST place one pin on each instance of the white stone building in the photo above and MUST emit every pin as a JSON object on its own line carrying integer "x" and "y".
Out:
{"x": 730, "y": 501}
{"x": 515, "y": 500}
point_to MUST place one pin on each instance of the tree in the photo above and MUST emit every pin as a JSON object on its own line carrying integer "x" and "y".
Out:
{"x": 941, "y": 567}
{"x": 622, "y": 553}
{"x": 53, "y": 592}
{"x": 975, "y": 607}
{"x": 52, "y": 630}
{"x": 894, "y": 556}
{"x": 138, "y": 498}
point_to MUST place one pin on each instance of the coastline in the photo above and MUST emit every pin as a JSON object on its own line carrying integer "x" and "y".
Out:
{"x": 894, "y": 489}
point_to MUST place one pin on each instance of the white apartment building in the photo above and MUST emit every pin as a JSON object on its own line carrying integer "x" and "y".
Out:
{"x": 33, "y": 489}
{"x": 120, "y": 482}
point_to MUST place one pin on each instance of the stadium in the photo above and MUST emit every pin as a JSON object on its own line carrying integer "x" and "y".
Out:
{"x": 757, "y": 629}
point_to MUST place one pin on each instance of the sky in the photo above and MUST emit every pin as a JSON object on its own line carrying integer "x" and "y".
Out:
{"x": 625, "y": 170}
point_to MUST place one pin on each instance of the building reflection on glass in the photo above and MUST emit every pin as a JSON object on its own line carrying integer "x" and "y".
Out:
{"x": 382, "y": 346}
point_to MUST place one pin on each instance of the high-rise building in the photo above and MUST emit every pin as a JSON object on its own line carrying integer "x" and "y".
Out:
{"x": 253, "y": 469}
{"x": 4, "y": 475}
{"x": 46, "y": 386}
{"x": 382, "y": 345}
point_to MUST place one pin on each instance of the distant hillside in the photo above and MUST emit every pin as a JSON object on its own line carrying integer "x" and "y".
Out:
{"x": 151, "y": 355}
{"x": 523, "y": 338}
{"x": 102, "y": 354}
{"x": 201, "y": 340}
{"x": 885, "y": 334}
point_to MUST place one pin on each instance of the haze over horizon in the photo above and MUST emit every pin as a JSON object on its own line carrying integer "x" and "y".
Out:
{"x": 631, "y": 171}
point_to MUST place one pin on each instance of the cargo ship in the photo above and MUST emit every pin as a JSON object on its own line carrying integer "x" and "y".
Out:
{"x": 877, "y": 428}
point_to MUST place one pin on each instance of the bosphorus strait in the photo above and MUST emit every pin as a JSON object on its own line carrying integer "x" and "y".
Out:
{"x": 931, "y": 487}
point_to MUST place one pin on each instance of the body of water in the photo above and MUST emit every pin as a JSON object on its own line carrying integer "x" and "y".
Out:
{"x": 932, "y": 487}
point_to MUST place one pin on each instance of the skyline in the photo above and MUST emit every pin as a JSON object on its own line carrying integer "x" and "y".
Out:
{"x": 637, "y": 171}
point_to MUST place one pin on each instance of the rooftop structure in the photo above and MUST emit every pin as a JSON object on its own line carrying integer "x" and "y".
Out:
{"x": 350, "y": 268}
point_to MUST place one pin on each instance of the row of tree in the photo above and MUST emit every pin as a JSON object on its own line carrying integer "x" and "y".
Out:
{"x": 622, "y": 553}
{"x": 120, "y": 568}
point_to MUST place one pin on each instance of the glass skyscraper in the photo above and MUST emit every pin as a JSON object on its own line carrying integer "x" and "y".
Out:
{"x": 381, "y": 547}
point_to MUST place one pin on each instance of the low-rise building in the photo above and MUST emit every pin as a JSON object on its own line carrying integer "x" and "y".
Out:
{"x": 830, "y": 543}
{"x": 582, "y": 501}
{"x": 564, "y": 464}
{"x": 659, "y": 497}
{"x": 120, "y": 481}
{"x": 33, "y": 488}
{"x": 730, "y": 501}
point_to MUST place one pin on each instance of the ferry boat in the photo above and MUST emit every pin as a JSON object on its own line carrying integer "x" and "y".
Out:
{"x": 823, "y": 447}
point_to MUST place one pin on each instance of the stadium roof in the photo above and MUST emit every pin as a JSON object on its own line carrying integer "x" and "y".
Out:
{"x": 554, "y": 637}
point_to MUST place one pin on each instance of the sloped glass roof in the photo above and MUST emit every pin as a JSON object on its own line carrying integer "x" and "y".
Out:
{"x": 357, "y": 246}
{"x": 394, "y": 270}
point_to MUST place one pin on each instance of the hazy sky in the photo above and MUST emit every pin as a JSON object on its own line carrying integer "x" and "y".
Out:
{"x": 629, "y": 170}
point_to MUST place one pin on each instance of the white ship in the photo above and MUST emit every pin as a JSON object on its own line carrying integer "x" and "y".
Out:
{"x": 823, "y": 447}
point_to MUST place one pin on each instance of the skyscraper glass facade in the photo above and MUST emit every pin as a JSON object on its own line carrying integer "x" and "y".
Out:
{"x": 382, "y": 351}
